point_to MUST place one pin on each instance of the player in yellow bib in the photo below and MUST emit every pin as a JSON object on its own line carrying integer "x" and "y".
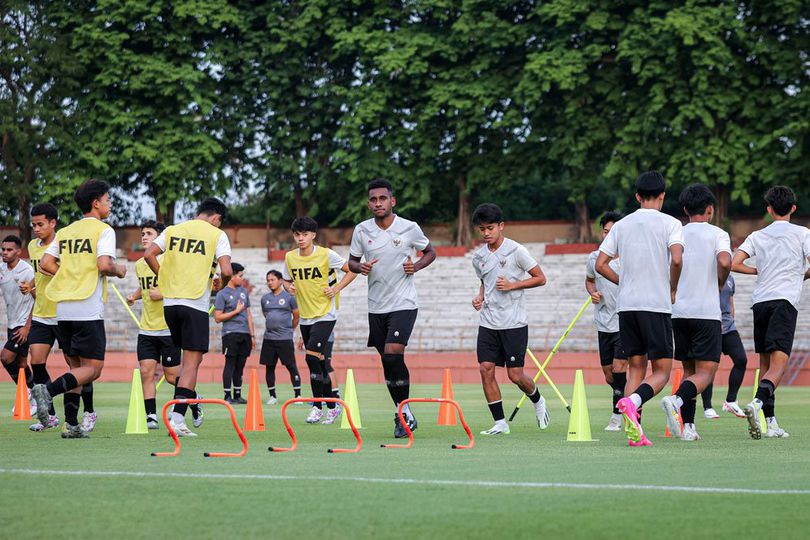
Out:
{"x": 309, "y": 273}
{"x": 80, "y": 259}
{"x": 191, "y": 252}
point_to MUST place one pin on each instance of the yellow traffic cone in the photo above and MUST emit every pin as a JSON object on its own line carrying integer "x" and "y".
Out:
{"x": 579, "y": 426}
{"x": 136, "y": 417}
{"x": 763, "y": 424}
{"x": 350, "y": 397}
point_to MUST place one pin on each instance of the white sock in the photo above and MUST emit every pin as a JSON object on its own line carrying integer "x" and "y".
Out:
{"x": 678, "y": 402}
{"x": 178, "y": 418}
{"x": 615, "y": 415}
{"x": 636, "y": 399}
{"x": 501, "y": 423}
{"x": 406, "y": 410}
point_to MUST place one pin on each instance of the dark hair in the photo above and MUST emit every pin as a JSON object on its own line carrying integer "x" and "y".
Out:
{"x": 781, "y": 199}
{"x": 274, "y": 273}
{"x": 381, "y": 183}
{"x": 211, "y": 206}
{"x": 650, "y": 184}
{"x": 304, "y": 224}
{"x": 236, "y": 268}
{"x": 152, "y": 224}
{"x": 610, "y": 217}
{"x": 44, "y": 209}
{"x": 696, "y": 198}
{"x": 90, "y": 191}
{"x": 487, "y": 213}
{"x": 13, "y": 238}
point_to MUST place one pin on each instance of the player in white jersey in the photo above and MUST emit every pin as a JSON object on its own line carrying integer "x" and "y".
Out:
{"x": 604, "y": 295}
{"x": 13, "y": 272}
{"x": 650, "y": 244}
{"x": 502, "y": 266}
{"x": 389, "y": 243}
{"x": 696, "y": 314}
{"x": 782, "y": 252}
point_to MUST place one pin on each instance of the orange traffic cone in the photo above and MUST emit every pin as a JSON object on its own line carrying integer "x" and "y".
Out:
{"x": 676, "y": 383}
{"x": 447, "y": 415}
{"x": 22, "y": 409}
{"x": 254, "y": 417}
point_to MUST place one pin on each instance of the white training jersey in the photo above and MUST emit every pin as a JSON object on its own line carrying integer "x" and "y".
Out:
{"x": 698, "y": 295}
{"x": 782, "y": 250}
{"x": 18, "y": 305}
{"x": 605, "y": 313}
{"x": 642, "y": 241}
{"x": 503, "y": 310}
{"x": 389, "y": 287}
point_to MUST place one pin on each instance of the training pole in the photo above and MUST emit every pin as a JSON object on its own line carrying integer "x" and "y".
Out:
{"x": 552, "y": 353}
{"x": 123, "y": 301}
{"x": 548, "y": 380}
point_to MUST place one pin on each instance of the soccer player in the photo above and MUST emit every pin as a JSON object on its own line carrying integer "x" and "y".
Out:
{"x": 782, "y": 251}
{"x": 80, "y": 258}
{"x": 311, "y": 271}
{"x": 13, "y": 272}
{"x": 389, "y": 243}
{"x": 651, "y": 247}
{"x": 191, "y": 252}
{"x": 155, "y": 343}
{"x": 280, "y": 311}
{"x": 696, "y": 315}
{"x": 232, "y": 309}
{"x": 734, "y": 349}
{"x": 501, "y": 265}
{"x": 606, "y": 319}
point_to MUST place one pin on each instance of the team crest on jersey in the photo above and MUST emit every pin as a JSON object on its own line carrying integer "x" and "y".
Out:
{"x": 397, "y": 242}
{"x": 281, "y": 302}
{"x": 242, "y": 295}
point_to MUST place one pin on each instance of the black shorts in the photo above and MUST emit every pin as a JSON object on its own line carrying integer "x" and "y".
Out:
{"x": 503, "y": 347}
{"x": 158, "y": 348}
{"x": 327, "y": 356}
{"x": 236, "y": 345}
{"x": 44, "y": 334}
{"x": 189, "y": 327}
{"x": 646, "y": 332}
{"x": 86, "y": 339}
{"x": 20, "y": 349}
{"x": 697, "y": 339}
{"x": 733, "y": 347}
{"x": 610, "y": 348}
{"x": 774, "y": 326}
{"x": 394, "y": 327}
{"x": 274, "y": 350}
{"x": 316, "y": 336}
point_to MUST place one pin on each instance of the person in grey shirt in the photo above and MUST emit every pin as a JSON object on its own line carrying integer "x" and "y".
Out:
{"x": 503, "y": 333}
{"x": 604, "y": 295}
{"x": 13, "y": 272}
{"x": 389, "y": 243}
{"x": 232, "y": 309}
{"x": 280, "y": 320}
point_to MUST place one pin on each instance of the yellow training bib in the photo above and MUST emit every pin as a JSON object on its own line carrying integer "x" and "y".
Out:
{"x": 311, "y": 275}
{"x": 78, "y": 274}
{"x": 189, "y": 260}
{"x": 43, "y": 306}
{"x": 152, "y": 314}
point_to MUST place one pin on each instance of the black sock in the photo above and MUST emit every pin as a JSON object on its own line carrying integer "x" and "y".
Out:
{"x": 13, "y": 370}
{"x": 87, "y": 398}
{"x": 151, "y": 406}
{"x": 183, "y": 393}
{"x": 768, "y": 406}
{"x": 397, "y": 376}
{"x": 237, "y": 392}
{"x": 315, "y": 378}
{"x": 72, "y": 408}
{"x": 29, "y": 378}
{"x": 40, "y": 373}
{"x": 272, "y": 391}
{"x": 688, "y": 411}
{"x": 765, "y": 390}
{"x": 534, "y": 396}
{"x": 297, "y": 391}
{"x": 687, "y": 391}
{"x": 645, "y": 392}
{"x": 735, "y": 377}
{"x": 65, "y": 383}
{"x": 336, "y": 392}
{"x": 706, "y": 395}
{"x": 618, "y": 384}
{"x": 227, "y": 394}
{"x": 496, "y": 408}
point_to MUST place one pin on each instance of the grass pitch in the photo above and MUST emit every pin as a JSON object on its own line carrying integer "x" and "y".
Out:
{"x": 528, "y": 484}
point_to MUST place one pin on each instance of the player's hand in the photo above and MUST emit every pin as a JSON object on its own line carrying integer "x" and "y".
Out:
{"x": 253, "y": 344}
{"x": 21, "y": 334}
{"x": 329, "y": 291}
{"x": 365, "y": 268}
{"x": 240, "y": 307}
{"x": 596, "y": 297}
{"x": 216, "y": 284}
{"x": 26, "y": 286}
{"x": 300, "y": 344}
{"x": 503, "y": 284}
{"x": 121, "y": 270}
{"x": 130, "y": 299}
{"x": 478, "y": 302}
{"x": 292, "y": 290}
{"x": 154, "y": 294}
{"x": 408, "y": 266}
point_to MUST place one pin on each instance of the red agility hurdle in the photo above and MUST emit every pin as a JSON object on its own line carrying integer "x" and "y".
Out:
{"x": 176, "y": 439}
{"x": 431, "y": 400}
{"x": 322, "y": 400}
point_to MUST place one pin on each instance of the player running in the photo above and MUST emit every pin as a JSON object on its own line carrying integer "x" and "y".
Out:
{"x": 280, "y": 310}
{"x": 501, "y": 265}
{"x": 388, "y": 243}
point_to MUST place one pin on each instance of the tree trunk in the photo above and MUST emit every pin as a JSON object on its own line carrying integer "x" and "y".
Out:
{"x": 583, "y": 222}
{"x": 300, "y": 204}
{"x": 721, "y": 192}
{"x": 463, "y": 227}
{"x": 24, "y": 203}
{"x": 165, "y": 216}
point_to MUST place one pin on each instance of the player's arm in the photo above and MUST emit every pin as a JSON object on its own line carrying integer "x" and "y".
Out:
{"x": 603, "y": 267}
{"x": 21, "y": 334}
{"x": 731, "y": 303}
{"x": 428, "y": 256}
{"x": 289, "y": 285}
{"x": 723, "y": 267}
{"x": 155, "y": 294}
{"x": 536, "y": 279}
{"x": 151, "y": 257}
{"x": 738, "y": 264}
{"x": 478, "y": 301}
{"x": 108, "y": 267}
{"x": 295, "y": 319}
{"x": 222, "y": 316}
{"x": 590, "y": 286}
{"x": 348, "y": 277}
{"x": 358, "y": 267}
{"x": 49, "y": 264}
{"x": 225, "y": 270}
{"x": 28, "y": 287}
{"x": 250, "y": 328}
{"x": 675, "y": 268}
{"x": 134, "y": 297}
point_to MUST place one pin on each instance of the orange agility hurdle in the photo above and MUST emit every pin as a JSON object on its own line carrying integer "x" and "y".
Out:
{"x": 176, "y": 439}
{"x": 431, "y": 400}
{"x": 322, "y": 400}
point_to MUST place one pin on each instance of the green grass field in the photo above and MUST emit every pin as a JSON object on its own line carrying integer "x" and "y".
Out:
{"x": 109, "y": 486}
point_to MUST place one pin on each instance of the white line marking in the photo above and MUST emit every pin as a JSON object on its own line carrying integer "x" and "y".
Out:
{"x": 414, "y": 481}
